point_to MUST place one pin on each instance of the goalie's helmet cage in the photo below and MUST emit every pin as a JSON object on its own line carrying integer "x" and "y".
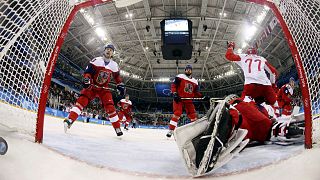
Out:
{"x": 32, "y": 38}
{"x": 230, "y": 98}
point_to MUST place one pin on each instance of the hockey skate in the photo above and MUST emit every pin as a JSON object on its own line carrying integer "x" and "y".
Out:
{"x": 67, "y": 124}
{"x": 169, "y": 134}
{"x": 118, "y": 131}
{"x": 126, "y": 128}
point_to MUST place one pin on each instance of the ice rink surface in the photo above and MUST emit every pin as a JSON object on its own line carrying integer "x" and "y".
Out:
{"x": 90, "y": 151}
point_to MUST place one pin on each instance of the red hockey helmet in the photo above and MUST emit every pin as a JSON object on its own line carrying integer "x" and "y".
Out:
{"x": 251, "y": 50}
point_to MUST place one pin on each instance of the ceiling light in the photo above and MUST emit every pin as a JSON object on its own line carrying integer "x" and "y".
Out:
{"x": 244, "y": 44}
{"x": 224, "y": 14}
{"x": 146, "y": 47}
{"x": 250, "y": 31}
{"x": 100, "y": 32}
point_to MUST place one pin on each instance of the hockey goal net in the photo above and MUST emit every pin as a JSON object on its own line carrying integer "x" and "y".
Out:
{"x": 32, "y": 32}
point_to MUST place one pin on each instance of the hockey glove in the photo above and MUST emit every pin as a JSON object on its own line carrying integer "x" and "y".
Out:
{"x": 206, "y": 98}
{"x": 176, "y": 97}
{"x": 121, "y": 89}
{"x": 86, "y": 82}
{"x": 231, "y": 44}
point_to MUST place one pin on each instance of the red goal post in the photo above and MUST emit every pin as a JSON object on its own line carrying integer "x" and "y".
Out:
{"x": 40, "y": 26}
{"x": 300, "y": 22}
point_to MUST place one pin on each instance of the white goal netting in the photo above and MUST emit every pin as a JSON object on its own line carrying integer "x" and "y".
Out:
{"x": 303, "y": 20}
{"x": 28, "y": 33}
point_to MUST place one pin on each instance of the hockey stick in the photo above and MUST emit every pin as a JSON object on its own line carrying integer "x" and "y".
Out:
{"x": 105, "y": 88}
{"x": 190, "y": 98}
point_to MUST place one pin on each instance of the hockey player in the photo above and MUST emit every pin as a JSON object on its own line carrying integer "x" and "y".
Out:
{"x": 255, "y": 118}
{"x": 183, "y": 86}
{"x": 256, "y": 84}
{"x": 284, "y": 97}
{"x": 125, "y": 106}
{"x": 215, "y": 139}
{"x": 95, "y": 83}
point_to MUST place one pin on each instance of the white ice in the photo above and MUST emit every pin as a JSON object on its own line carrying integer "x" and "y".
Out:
{"x": 90, "y": 151}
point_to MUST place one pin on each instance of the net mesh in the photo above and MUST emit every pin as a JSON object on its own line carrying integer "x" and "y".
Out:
{"x": 303, "y": 20}
{"x": 29, "y": 30}
{"x": 28, "y": 33}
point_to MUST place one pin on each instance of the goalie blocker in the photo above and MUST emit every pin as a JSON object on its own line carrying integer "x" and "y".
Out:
{"x": 210, "y": 142}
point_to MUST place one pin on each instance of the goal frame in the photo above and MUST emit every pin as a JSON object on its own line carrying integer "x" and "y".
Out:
{"x": 54, "y": 56}
{"x": 51, "y": 65}
{"x": 301, "y": 72}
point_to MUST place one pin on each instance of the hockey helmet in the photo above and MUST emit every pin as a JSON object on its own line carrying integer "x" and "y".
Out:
{"x": 251, "y": 50}
{"x": 188, "y": 67}
{"x": 109, "y": 46}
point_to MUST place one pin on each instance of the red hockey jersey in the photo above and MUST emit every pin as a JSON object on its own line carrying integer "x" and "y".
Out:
{"x": 100, "y": 71}
{"x": 185, "y": 86}
{"x": 126, "y": 106}
{"x": 284, "y": 95}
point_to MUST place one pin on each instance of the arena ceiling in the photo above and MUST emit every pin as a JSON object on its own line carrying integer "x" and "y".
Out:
{"x": 135, "y": 32}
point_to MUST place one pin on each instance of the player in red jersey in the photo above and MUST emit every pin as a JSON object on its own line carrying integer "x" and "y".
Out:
{"x": 256, "y": 84}
{"x": 125, "y": 112}
{"x": 284, "y": 97}
{"x": 96, "y": 79}
{"x": 183, "y": 86}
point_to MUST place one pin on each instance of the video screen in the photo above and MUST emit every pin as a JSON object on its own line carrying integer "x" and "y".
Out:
{"x": 176, "y": 25}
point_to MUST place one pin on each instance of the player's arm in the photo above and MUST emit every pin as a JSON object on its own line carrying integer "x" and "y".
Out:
{"x": 272, "y": 71}
{"x": 117, "y": 78}
{"x": 175, "y": 84}
{"x": 230, "y": 55}
{"x": 119, "y": 104}
{"x": 174, "y": 87}
{"x": 88, "y": 75}
{"x": 197, "y": 92}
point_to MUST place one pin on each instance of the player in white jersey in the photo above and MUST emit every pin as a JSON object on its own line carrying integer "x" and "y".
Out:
{"x": 257, "y": 85}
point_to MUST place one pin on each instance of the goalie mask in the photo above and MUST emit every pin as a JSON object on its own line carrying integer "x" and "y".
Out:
{"x": 230, "y": 98}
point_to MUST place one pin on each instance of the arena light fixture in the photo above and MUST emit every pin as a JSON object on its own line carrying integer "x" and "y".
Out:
{"x": 100, "y": 32}
{"x": 250, "y": 31}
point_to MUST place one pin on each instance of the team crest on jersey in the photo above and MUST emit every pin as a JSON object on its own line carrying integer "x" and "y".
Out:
{"x": 103, "y": 77}
{"x": 125, "y": 106}
{"x": 188, "y": 88}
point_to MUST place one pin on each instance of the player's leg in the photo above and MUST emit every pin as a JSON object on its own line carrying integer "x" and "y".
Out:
{"x": 177, "y": 111}
{"x": 106, "y": 99}
{"x": 257, "y": 123}
{"x": 128, "y": 120}
{"x": 191, "y": 111}
{"x": 85, "y": 97}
